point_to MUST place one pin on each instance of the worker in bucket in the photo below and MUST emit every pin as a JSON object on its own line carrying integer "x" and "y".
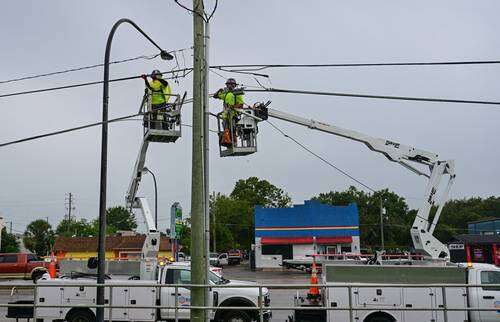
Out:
{"x": 159, "y": 91}
{"x": 232, "y": 98}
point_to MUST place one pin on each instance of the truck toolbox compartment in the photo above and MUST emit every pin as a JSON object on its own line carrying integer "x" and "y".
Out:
{"x": 20, "y": 312}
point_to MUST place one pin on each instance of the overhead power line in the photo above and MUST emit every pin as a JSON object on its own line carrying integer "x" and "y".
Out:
{"x": 243, "y": 68}
{"x": 70, "y": 70}
{"x": 343, "y": 172}
{"x": 77, "y": 69}
{"x": 257, "y": 67}
{"x": 56, "y": 88}
{"x": 77, "y": 128}
{"x": 385, "y": 97}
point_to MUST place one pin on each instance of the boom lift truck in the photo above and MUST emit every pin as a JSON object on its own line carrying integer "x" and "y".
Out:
{"x": 165, "y": 130}
{"x": 422, "y": 229}
{"x": 378, "y": 299}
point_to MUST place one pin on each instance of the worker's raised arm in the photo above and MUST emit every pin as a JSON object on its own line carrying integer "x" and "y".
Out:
{"x": 219, "y": 94}
{"x": 146, "y": 82}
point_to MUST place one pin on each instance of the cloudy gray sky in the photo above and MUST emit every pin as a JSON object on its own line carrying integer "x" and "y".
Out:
{"x": 44, "y": 36}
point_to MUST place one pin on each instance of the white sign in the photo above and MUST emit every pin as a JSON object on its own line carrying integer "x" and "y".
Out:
{"x": 455, "y": 246}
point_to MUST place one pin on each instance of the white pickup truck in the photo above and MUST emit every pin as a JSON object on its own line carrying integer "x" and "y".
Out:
{"x": 384, "y": 298}
{"x": 143, "y": 295}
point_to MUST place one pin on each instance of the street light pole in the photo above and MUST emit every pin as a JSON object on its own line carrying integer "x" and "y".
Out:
{"x": 104, "y": 161}
{"x": 382, "y": 213}
{"x": 156, "y": 195}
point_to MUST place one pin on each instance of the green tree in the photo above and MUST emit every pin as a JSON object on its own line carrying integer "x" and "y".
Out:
{"x": 185, "y": 239}
{"x": 397, "y": 222}
{"x": 39, "y": 237}
{"x": 78, "y": 228}
{"x": 260, "y": 192}
{"x": 234, "y": 214}
{"x": 119, "y": 218}
{"x": 9, "y": 242}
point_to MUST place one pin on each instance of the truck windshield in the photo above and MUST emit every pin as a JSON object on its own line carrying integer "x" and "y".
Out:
{"x": 216, "y": 279}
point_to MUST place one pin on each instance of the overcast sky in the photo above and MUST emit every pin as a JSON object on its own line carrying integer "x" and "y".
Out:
{"x": 45, "y": 36}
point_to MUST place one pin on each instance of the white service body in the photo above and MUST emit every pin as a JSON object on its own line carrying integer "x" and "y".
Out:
{"x": 430, "y": 297}
{"x": 143, "y": 295}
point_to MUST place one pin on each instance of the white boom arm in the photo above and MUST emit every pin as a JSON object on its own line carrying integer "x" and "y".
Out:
{"x": 422, "y": 229}
{"x": 151, "y": 245}
{"x": 136, "y": 175}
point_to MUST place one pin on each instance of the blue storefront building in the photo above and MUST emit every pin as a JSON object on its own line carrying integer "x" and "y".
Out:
{"x": 292, "y": 233}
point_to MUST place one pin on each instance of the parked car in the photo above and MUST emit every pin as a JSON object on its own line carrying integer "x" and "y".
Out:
{"x": 22, "y": 265}
{"x": 219, "y": 260}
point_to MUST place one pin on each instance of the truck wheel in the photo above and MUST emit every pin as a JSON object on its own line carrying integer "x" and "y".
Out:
{"x": 237, "y": 316}
{"x": 36, "y": 275}
{"x": 380, "y": 317}
{"x": 80, "y": 316}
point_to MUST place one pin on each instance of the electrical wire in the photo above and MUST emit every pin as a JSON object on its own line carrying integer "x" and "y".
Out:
{"x": 345, "y": 173}
{"x": 41, "y": 90}
{"x": 145, "y": 57}
{"x": 257, "y": 67}
{"x": 385, "y": 97}
{"x": 36, "y": 137}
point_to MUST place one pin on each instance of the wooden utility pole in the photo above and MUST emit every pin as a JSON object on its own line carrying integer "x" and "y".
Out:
{"x": 198, "y": 261}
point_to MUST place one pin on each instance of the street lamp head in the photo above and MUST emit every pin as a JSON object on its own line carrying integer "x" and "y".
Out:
{"x": 165, "y": 55}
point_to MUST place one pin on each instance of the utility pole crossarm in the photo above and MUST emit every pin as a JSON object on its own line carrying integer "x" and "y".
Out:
{"x": 394, "y": 151}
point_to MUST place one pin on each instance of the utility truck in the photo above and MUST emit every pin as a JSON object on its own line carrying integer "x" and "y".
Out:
{"x": 424, "y": 293}
{"x": 69, "y": 296}
{"x": 388, "y": 292}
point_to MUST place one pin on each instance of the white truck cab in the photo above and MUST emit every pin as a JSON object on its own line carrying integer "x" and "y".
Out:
{"x": 180, "y": 273}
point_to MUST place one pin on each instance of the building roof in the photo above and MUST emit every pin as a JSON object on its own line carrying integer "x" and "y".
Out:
{"x": 477, "y": 239}
{"x": 310, "y": 219}
{"x": 115, "y": 242}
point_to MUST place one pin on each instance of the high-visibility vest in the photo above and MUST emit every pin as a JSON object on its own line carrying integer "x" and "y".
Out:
{"x": 160, "y": 94}
{"x": 230, "y": 99}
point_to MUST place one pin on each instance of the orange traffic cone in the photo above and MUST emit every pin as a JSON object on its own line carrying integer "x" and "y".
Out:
{"x": 313, "y": 293}
{"x": 52, "y": 266}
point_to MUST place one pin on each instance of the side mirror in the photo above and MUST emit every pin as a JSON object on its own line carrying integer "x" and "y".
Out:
{"x": 92, "y": 263}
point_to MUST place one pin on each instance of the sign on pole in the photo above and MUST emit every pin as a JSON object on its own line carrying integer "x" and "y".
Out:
{"x": 175, "y": 220}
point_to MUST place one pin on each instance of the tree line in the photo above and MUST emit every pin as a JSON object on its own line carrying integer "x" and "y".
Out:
{"x": 233, "y": 227}
{"x": 39, "y": 235}
{"x": 232, "y": 219}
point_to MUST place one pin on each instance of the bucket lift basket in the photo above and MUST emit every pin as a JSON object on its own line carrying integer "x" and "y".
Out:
{"x": 163, "y": 124}
{"x": 239, "y": 136}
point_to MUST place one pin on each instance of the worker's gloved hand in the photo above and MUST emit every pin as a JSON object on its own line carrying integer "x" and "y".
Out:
{"x": 143, "y": 76}
{"x": 216, "y": 95}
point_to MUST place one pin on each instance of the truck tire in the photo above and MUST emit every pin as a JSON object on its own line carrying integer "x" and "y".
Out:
{"x": 80, "y": 315}
{"x": 36, "y": 275}
{"x": 379, "y": 317}
{"x": 237, "y": 316}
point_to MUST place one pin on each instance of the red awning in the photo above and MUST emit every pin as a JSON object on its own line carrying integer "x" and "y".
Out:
{"x": 305, "y": 240}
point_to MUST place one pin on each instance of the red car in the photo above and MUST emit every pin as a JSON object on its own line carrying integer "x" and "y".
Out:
{"x": 19, "y": 265}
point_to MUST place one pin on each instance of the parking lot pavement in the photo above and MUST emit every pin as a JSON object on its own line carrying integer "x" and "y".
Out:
{"x": 278, "y": 297}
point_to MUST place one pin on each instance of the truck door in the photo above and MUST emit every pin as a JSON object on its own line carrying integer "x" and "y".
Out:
{"x": 177, "y": 276}
{"x": 223, "y": 260}
{"x": 489, "y": 296}
{"x": 10, "y": 266}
